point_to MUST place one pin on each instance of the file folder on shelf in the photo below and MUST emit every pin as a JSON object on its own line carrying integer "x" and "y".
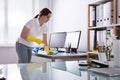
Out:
{"x": 97, "y": 16}
{"x": 101, "y": 36}
{"x": 107, "y": 13}
{"x": 101, "y": 15}
{"x": 92, "y": 16}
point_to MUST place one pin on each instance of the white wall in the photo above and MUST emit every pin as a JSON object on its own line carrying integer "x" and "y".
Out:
{"x": 8, "y": 55}
{"x": 71, "y": 15}
{"x": 68, "y": 15}
{"x": 8, "y": 52}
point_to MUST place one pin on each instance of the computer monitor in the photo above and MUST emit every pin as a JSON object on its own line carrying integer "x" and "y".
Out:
{"x": 57, "y": 40}
{"x": 73, "y": 38}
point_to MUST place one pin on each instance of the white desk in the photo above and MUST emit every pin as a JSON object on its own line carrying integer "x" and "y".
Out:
{"x": 63, "y": 56}
{"x": 31, "y": 71}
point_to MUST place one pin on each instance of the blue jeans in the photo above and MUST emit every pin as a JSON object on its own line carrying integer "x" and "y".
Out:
{"x": 24, "y": 53}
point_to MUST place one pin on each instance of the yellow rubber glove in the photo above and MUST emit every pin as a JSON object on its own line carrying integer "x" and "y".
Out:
{"x": 33, "y": 39}
{"x": 46, "y": 49}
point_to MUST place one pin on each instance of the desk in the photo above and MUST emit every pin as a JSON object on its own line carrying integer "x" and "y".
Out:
{"x": 36, "y": 72}
{"x": 63, "y": 56}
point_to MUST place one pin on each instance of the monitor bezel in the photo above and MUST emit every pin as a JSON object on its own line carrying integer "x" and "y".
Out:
{"x": 78, "y": 38}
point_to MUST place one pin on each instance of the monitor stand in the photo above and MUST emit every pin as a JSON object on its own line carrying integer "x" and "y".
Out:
{"x": 71, "y": 50}
{"x": 74, "y": 50}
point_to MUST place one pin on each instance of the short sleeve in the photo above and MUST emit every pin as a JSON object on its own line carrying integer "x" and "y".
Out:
{"x": 45, "y": 29}
{"x": 29, "y": 24}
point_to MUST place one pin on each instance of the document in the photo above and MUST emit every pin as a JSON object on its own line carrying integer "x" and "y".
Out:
{"x": 102, "y": 57}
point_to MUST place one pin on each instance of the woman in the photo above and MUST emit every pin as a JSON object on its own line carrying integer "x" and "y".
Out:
{"x": 31, "y": 36}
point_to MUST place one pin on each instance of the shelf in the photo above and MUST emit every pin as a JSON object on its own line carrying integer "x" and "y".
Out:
{"x": 97, "y": 28}
{"x": 100, "y": 31}
{"x": 99, "y": 2}
{"x": 92, "y": 52}
{"x": 96, "y": 53}
{"x": 103, "y": 27}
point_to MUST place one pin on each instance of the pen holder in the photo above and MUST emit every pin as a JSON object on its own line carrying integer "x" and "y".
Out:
{"x": 68, "y": 50}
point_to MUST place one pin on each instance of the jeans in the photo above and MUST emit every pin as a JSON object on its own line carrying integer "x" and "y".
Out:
{"x": 24, "y": 53}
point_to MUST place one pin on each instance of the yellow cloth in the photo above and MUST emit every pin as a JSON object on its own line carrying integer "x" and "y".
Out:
{"x": 33, "y": 39}
{"x": 46, "y": 49}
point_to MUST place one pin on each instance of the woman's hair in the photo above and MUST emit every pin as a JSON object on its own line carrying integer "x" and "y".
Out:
{"x": 43, "y": 12}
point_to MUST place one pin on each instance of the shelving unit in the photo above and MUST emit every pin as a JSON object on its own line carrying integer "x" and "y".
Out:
{"x": 103, "y": 27}
{"x": 97, "y": 28}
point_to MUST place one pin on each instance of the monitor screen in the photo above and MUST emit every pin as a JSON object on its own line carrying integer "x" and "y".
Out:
{"x": 57, "y": 40}
{"x": 73, "y": 38}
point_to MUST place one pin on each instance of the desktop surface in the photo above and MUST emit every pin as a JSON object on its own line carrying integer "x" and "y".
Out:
{"x": 69, "y": 70}
{"x": 62, "y": 56}
{"x": 112, "y": 71}
{"x": 59, "y": 52}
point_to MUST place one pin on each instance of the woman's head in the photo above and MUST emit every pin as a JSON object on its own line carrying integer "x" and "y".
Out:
{"x": 45, "y": 14}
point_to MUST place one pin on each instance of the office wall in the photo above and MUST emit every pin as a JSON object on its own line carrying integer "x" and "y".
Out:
{"x": 70, "y": 15}
{"x": 8, "y": 53}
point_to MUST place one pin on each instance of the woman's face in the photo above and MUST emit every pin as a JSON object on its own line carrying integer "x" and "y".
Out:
{"x": 46, "y": 18}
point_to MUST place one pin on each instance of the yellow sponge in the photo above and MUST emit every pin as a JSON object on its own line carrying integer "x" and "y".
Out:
{"x": 46, "y": 49}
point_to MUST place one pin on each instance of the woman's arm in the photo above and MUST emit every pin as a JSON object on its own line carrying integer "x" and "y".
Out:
{"x": 46, "y": 48}
{"x": 27, "y": 37}
{"x": 24, "y": 33}
{"x": 45, "y": 39}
